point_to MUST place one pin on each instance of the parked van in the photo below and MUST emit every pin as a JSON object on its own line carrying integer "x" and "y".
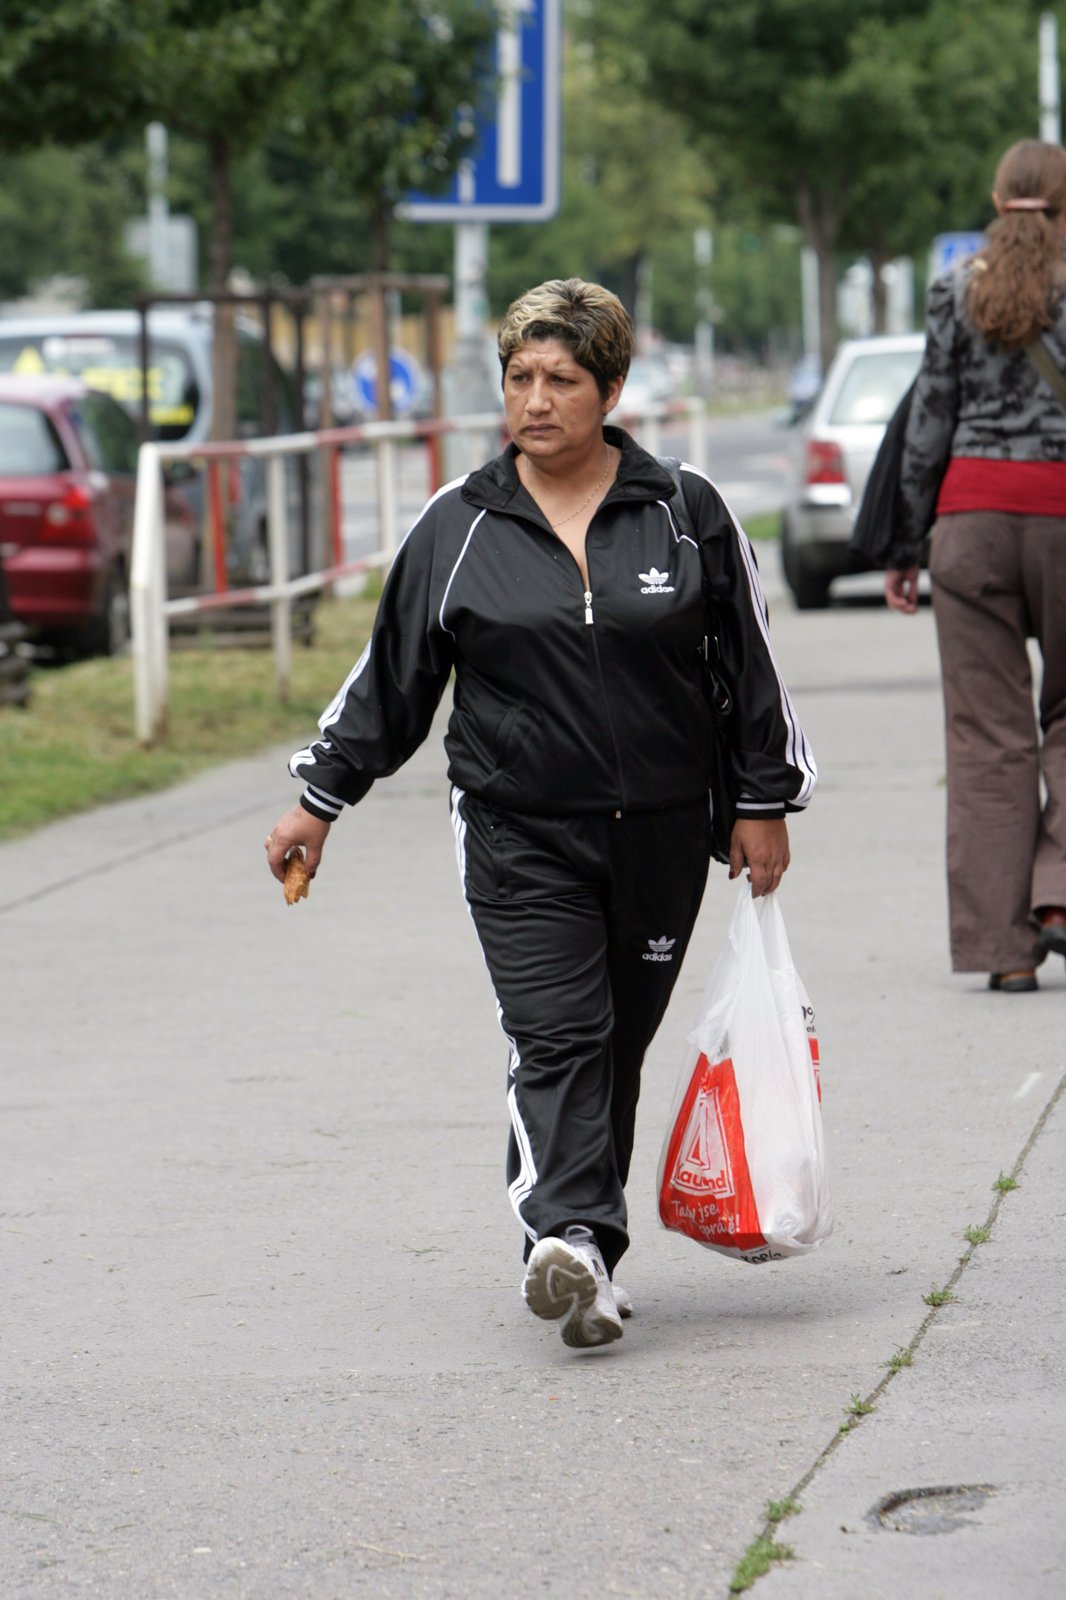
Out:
{"x": 102, "y": 349}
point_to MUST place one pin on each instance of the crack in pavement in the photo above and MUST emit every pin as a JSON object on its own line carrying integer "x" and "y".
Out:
{"x": 770, "y": 1526}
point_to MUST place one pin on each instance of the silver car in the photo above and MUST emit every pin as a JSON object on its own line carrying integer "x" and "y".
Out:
{"x": 836, "y": 445}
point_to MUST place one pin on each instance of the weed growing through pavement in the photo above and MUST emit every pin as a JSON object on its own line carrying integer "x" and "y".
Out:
{"x": 757, "y": 1560}
{"x": 778, "y": 1510}
{"x": 1004, "y": 1185}
{"x": 858, "y": 1407}
{"x": 977, "y": 1235}
{"x": 902, "y": 1358}
{"x": 938, "y": 1297}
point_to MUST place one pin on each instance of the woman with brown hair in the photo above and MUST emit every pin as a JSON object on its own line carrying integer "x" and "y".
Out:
{"x": 985, "y": 453}
{"x": 568, "y": 592}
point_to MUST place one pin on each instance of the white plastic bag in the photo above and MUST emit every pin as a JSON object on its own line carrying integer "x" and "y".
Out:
{"x": 743, "y": 1168}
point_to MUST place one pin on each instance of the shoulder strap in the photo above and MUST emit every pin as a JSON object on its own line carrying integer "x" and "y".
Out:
{"x": 718, "y": 695}
{"x": 679, "y": 504}
{"x": 1048, "y": 367}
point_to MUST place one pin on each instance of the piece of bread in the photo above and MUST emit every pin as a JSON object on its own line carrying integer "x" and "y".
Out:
{"x": 297, "y": 878}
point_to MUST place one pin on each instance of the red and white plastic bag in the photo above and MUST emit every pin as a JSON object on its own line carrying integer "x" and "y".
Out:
{"x": 743, "y": 1168}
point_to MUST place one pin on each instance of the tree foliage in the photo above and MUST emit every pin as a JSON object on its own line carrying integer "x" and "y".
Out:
{"x": 381, "y": 95}
{"x": 70, "y": 71}
{"x": 853, "y": 118}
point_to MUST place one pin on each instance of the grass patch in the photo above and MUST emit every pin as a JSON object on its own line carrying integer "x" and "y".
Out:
{"x": 778, "y": 1510}
{"x": 858, "y": 1407}
{"x": 767, "y": 525}
{"x": 975, "y": 1235}
{"x": 756, "y": 1562}
{"x": 73, "y": 747}
{"x": 902, "y": 1358}
{"x": 938, "y": 1297}
{"x": 1004, "y": 1185}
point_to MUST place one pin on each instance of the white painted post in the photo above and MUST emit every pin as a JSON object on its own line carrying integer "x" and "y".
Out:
{"x": 697, "y": 436}
{"x": 388, "y": 508}
{"x": 281, "y": 604}
{"x": 1048, "y": 85}
{"x": 147, "y": 595}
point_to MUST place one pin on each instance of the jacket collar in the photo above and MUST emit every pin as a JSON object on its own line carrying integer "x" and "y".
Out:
{"x": 497, "y": 486}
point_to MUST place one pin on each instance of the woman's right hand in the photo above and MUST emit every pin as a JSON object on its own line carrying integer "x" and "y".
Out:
{"x": 296, "y": 827}
{"x": 901, "y": 589}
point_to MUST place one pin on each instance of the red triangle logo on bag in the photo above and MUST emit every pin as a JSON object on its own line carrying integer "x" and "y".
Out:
{"x": 706, "y": 1189}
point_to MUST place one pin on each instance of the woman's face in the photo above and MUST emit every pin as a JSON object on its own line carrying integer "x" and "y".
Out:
{"x": 553, "y": 404}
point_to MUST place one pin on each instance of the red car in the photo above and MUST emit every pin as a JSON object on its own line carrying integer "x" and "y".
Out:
{"x": 68, "y": 464}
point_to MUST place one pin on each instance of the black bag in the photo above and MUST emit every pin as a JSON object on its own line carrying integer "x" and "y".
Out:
{"x": 877, "y": 523}
{"x": 717, "y": 692}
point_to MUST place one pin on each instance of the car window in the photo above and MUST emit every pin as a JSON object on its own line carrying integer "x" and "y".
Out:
{"x": 109, "y": 435}
{"x": 29, "y": 444}
{"x": 873, "y": 386}
{"x": 112, "y": 363}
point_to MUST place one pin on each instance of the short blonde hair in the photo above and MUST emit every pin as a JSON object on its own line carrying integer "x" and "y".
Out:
{"x": 590, "y": 320}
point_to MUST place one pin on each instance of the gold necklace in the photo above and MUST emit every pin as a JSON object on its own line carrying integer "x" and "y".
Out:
{"x": 570, "y": 517}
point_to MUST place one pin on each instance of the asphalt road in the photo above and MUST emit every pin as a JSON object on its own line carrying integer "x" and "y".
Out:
{"x": 260, "y": 1327}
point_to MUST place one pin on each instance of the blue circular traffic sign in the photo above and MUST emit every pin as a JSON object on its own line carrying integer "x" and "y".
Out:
{"x": 405, "y": 378}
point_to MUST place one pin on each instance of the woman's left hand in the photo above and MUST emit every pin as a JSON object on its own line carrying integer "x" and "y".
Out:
{"x": 762, "y": 847}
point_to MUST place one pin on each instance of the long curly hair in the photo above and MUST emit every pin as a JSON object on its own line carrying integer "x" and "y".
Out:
{"x": 1018, "y": 279}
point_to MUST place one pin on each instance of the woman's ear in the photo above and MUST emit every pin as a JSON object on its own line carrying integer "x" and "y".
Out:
{"x": 613, "y": 395}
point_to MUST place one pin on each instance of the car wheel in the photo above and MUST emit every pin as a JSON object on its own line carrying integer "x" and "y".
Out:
{"x": 109, "y": 634}
{"x": 810, "y": 590}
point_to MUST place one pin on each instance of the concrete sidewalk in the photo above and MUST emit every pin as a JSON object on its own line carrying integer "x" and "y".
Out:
{"x": 261, "y": 1329}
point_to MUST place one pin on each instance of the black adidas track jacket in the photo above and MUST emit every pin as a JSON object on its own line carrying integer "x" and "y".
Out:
{"x": 566, "y": 701}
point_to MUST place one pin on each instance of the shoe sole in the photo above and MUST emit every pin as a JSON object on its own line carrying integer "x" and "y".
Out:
{"x": 560, "y": 1283}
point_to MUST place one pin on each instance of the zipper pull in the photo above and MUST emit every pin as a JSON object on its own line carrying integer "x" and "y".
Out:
{"x": 588, "y": 605}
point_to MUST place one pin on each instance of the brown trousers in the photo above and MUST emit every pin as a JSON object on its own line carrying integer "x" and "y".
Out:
{"x": 999, "y": 579}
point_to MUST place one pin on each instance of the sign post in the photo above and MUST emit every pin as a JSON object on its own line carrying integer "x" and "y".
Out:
{"x": 511, "y": 175}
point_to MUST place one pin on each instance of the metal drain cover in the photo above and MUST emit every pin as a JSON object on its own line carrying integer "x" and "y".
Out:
{"x": 938, "y": 1510}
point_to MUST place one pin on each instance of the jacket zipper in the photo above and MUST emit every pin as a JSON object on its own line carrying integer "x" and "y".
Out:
{"x": 588, "y": 605}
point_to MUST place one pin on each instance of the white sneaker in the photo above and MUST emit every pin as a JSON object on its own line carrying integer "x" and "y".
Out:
{"x": 567, "y": 1278}
{"x": 622, "y": 1301}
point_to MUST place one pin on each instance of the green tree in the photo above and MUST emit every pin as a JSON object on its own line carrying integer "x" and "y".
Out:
{"x": 379, "y": 102}
{"x": 811, "y": 104}
{"x": 51, "y": 54}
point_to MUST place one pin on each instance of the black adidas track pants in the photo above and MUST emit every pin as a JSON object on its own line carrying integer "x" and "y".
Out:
{"x": 584, "y": 923}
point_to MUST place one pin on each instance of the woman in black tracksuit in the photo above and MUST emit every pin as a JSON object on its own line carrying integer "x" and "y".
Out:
{"x": 561, "y": 587}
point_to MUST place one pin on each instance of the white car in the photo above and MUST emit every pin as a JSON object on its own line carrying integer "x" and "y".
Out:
{"x": 837, "y": 442}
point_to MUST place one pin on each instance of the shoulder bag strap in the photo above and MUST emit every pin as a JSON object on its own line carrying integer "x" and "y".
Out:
{"x": 718, "y": 694}
{"x": 1048, "y": 367}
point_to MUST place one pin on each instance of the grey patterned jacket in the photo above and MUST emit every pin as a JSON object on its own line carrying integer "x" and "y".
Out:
{"x": 972, "y": 398}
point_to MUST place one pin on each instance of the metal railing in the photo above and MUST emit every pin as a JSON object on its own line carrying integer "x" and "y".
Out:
{"x": 150, "y": 608}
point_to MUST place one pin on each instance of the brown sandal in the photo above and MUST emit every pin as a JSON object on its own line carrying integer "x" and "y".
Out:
{"x": 1053, "y": 930}
{"x": 1023, "y": 982}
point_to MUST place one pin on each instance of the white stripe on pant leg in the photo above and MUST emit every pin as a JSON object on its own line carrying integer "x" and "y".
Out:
{"x": 459, "y": 830}
{"x": 522, "y": 1187}
{"x": 519, "y": 1191}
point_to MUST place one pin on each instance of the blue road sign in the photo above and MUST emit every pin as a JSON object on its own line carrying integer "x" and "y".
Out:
{"x": 512, "y": 174}
{"x": 405, "y": 376}
{"x": 949, "y": 249}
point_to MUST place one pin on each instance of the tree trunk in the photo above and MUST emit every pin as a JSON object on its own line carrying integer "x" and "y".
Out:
{"x": 879, "y": 292}
{"x": 819, "y": 214}
{"x": 224, "y": 347}
{"x": 381, "y": 239}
